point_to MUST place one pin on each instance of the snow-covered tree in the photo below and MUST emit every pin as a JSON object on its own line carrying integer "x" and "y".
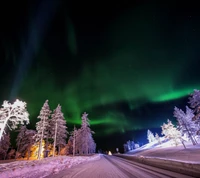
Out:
{"x": 84, "y": 138}
{"x": 58, "y": 128}
{"x": 171, "y": 132}
{"x": 194, "y": 101}
{"x": 4, "y": 145}
{"x": 11, "y": 154}
{"x": 42, "y": 126}
{"x": 150, "y": 136}
{"x": 130, "y": 145}
{"x": 185, "y": 123}
{"x": 20, "y": 136}
{"x": 125, "y": 147}
{"x": 70, "y": 146}
{"x": 27, "y": 142}
{"x": 74, "y": 135}
{"x": 157, "y": 137}
{"x": 13, "y": 114}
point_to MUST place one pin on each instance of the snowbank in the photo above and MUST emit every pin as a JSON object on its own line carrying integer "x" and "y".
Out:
{"x": 187, "y": 168}
{"x": 169, "y": 157}
{"x": 41, "y": 168}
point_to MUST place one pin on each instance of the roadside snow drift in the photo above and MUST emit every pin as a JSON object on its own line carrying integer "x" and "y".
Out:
{"x": 41, "y": 168}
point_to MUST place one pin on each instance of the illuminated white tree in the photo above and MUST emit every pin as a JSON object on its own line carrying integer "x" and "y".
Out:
{"x": 150, "y": 136}
{"x": 13, "y": 114}
{"x": 42, "y": 126}
{"x": 194, "y": 101}
{"x": 171, "y": 132}
{"x": 86, "y": 142}
{"x": 157, "y": 137}
{"x": 186, "y": 124}
{"x": 58, "y": 129}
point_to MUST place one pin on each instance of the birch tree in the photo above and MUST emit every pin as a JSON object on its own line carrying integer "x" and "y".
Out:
{"x": 11, "y": 115}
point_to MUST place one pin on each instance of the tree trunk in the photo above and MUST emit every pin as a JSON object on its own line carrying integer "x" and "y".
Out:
{"x": 29, "y": 152}
{"x": 54, "y": 144}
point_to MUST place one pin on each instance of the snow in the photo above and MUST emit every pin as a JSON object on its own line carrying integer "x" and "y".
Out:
{"x": 168, "y": 156}
{"x": 42, "y": 168}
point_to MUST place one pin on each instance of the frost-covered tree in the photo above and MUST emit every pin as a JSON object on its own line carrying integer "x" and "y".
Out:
{"x": 185, "y": 123}
{"x": 171, "y": 132}
{"x": 20, "y": 136}
{"x": 84, "y": 138}
{"x": 27, "y": 142}
{"x": 70, "y": 146}
{"x": 4, "y": 145}
{"x": 13, "y": 114}
{"x": 150, "y": 136}
{"x": 42, "y": 126}
{"x": 125, "y": 145}
{"x": 157, "y": 137}
{"x": 11, "y": 154}
{"x": 74, "y": 135}
{"x": 194, "y": 101}
{"x": 58, "y": 128}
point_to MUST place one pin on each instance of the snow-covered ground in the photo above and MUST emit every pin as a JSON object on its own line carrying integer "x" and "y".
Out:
{"x": 168, "y": 156}
{"x": 41, "y": 168}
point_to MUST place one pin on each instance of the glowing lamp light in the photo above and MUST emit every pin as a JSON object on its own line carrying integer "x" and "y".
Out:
{"x": 109, "y": 153}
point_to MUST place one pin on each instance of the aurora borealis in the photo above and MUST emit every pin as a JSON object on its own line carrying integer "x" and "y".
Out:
{"x": 125, "y": 65}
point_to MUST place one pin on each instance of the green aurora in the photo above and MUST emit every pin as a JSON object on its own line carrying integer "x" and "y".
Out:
{"x": 144, "y": 60}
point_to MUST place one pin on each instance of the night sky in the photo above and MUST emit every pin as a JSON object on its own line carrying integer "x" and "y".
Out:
{"x": 126, "y": 65}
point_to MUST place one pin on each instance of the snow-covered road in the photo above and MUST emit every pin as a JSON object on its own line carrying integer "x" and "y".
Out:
{"x": 113, "y": 167}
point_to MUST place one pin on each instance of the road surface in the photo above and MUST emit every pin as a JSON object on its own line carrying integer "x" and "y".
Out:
{"x": 114, "y": 167}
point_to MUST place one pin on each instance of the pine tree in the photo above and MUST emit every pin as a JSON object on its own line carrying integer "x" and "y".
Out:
{"x": 11, "y": 154}
{"x": 185, "y": 123}
{"x": 27, "y": 142}
{"x": 4, "y": 145}
{"x": 86, "y": 139}
{"x": 58, "y": 128}
{"x": 70, "y": 146}
{"x": 12, "y": 115}
{"x": 171, "y": 132}
{"x": 20, "y": 136}
{"x": 194, "y": 101}
{"x": 74, "y": 135}
{"x": 42, "y": 126}
{"x": 150, "y": 136}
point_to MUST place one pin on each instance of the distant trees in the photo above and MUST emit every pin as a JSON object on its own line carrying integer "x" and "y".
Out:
{"x": 150, "y": 136}
{"x": 129, "y": 145}
{"x": 157, "y": 137}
